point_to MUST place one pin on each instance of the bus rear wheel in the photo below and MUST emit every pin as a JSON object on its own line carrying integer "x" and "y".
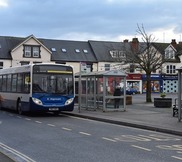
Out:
{"x": 19, "y": 109}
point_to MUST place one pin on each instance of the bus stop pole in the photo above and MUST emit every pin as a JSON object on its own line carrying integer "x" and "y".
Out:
{"x": 179, "y": 95}
{"x": 79, "y": 91}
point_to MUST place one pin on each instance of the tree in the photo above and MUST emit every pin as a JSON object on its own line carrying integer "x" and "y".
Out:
{"x": 146, "y": 56}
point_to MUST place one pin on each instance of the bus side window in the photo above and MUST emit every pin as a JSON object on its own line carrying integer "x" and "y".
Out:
{"x": 1, "y": 81}
{"x": 27, "y": 82}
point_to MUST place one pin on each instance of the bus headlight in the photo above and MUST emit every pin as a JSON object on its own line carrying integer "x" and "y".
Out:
{"x": 69, "y": 101}
{"x": 37, "y": 101}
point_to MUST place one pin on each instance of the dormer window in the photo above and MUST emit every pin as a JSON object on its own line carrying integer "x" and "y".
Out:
{"x": 118, "y": 54}
{"x": 169, "y": 53}
{"x": 121, "y": 54}
{"x": 31, "y": 51}
{"x": 36, "y": 51}
{"x": 27, "y": 51}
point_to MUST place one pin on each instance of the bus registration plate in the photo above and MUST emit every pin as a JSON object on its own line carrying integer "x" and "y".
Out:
{"x": 53, "y": 109}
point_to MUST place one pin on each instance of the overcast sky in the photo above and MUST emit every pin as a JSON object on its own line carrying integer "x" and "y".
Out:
{"x": 110, "y": 20}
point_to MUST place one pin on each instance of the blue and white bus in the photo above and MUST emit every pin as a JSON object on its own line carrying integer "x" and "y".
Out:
{"x": 42, "y": 87}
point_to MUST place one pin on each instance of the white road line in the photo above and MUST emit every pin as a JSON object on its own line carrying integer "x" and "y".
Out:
{"x": 141, "y": 148}
{"x": 84, "y": 133}
{"x": 179, "y": 152}
{"x": 15, "y": 152}
{"x": 179, "y": 158}
{"x": 19, "y": 117}
{"x": 68, "y": 129}
{"x": 38, "y": 122}
{"x": 108, "y": 139}
{"x": 27, "y": 119}
{"x": 51, "y": 125}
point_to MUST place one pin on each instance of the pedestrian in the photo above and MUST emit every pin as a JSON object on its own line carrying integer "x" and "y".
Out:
{"x": 117, "y": 92}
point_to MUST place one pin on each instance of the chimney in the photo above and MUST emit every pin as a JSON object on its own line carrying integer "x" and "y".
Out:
{"x": 173, "y": 43}
{"x": 125, "y": 41}
{"x": 135, "y": 44}
{"x": 180, "y": 43}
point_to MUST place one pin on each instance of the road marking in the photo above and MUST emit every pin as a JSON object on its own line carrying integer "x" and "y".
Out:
{"x": 141, "y": 148}
{"x": 68, "y": 129}
{"x": 84, "y": 133}
{"x": 51, "y": 125}
{"x": 19, "y": 117}
{"x": 179, "y": 158}
{"x": 172, "y": 147}
{"x": 38, "y": 122}
{"x": 15, "y": 152}
{"x": 158, "y": 137}
{"x": 27, "y": 119}
{"x": 108, "y": 139}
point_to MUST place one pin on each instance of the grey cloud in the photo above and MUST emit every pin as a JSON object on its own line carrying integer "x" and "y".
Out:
{"x": 49, "y": 18}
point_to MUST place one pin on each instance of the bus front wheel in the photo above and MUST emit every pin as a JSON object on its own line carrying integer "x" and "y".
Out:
{"x": 19, "y": 109}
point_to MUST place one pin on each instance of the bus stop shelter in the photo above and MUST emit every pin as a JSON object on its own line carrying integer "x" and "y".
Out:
{"x": 97, "y": 90}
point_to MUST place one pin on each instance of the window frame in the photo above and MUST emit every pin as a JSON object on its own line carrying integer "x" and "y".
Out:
{"x": 171, "y": 69}
{"x": 107, "y": 67}
{"x": 33, "y": 50}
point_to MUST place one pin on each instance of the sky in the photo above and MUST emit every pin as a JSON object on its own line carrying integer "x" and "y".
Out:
{"x": 83, "y": 20}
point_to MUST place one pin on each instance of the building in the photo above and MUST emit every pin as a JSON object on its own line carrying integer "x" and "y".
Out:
{"x": 95, "y": 56}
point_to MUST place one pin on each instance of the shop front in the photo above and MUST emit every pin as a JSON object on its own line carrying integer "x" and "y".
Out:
{"x": 170, "y": 83}
{"x": 156, "y": 83}
{"x": 134, "y": 81}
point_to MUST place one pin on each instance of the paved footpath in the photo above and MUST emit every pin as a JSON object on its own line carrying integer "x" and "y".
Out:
{"x": 140, "y": 114}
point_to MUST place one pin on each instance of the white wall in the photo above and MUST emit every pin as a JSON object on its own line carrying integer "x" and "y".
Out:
{"x": 17, "y": 54}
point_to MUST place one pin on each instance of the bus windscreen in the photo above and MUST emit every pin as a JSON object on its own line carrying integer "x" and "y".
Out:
{"x": 52, "y": 79}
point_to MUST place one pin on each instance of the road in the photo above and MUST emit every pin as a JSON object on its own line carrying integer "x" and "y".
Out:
{"x": 46, "y": 138}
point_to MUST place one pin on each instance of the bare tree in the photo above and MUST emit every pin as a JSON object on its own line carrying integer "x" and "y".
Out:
{"x": 147, "y": 57}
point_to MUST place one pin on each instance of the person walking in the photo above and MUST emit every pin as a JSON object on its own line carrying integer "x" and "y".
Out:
{"x": 117, "y": 92}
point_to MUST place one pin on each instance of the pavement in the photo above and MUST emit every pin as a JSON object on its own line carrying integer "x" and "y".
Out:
{"x": 139, "y": 115}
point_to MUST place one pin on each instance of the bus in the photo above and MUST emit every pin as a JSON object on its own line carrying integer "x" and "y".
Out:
{"x": 41, "y": 87}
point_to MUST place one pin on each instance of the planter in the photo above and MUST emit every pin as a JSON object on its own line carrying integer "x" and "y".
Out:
{"x": 163, "y": 102}
{"x": 128, "y": 100}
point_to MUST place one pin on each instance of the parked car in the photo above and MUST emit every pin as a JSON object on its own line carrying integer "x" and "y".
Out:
{"x": 130, "y": 91}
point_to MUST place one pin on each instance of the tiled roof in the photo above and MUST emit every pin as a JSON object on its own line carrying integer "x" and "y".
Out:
{"x": 63, "y": 50}
{"x": 102, "y": 49}
{"x": 7, "y": 44}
